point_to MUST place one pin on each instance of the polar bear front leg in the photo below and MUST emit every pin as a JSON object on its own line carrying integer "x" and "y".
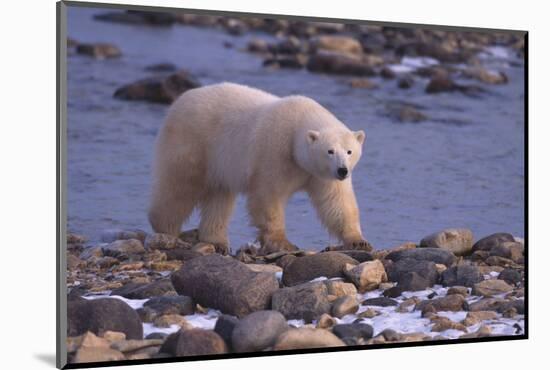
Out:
{"x": 267, "y": 213}
{"x": 337, "y": 208}
{"x": 216, "y": 209}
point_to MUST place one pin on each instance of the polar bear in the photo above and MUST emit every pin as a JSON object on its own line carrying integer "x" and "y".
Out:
{"x": 221, "y": 140}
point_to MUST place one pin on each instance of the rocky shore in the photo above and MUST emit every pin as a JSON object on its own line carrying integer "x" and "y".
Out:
{"x": 137, "y": 295}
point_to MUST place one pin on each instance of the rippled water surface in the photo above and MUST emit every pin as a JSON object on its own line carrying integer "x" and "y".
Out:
{"x": 461, "y": 168}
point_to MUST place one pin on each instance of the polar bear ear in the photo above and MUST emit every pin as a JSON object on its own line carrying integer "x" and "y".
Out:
{"x": 360, "y": 136}
{"x": 312, "y": 136}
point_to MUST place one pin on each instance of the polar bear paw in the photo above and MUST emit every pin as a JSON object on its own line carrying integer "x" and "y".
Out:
{"x": 361, "y": 244}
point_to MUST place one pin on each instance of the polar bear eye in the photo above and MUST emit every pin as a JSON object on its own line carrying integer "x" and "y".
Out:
{"x": 331, "y": 151}
{"x": 349, "y": 152}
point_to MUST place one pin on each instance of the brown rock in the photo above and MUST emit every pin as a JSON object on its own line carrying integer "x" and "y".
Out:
{"x": 197, "y": 342}
{"x": 304, "y": 269}
{"x": 99, "y": 50}
{"x": 304, "y": 338}
{"x": 489, "y": 288}
{"x": 453, "y": 302}
{"x": 458, "y": 241}
{"x": 306, "y": 301}
{"x": 343, "y": 44}
{"x": 475, "y": 317}
{"x": 367, "y": 275}
{"x": 344, "y": 306}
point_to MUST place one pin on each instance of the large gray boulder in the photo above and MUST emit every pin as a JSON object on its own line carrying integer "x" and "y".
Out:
{"x": 306, "y": 301}
{"x": 304, "y": 269}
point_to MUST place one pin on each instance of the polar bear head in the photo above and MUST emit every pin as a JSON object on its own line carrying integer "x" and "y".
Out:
{"x": 332, "y": 153}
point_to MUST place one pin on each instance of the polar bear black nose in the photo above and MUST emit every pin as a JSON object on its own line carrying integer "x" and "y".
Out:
{"x": 342, "y": 172}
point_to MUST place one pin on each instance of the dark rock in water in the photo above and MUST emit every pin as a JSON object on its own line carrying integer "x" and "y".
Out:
{"x": 225, "y": 324}
{"x": 379, "y": 301}
{"x": 258, "y": 331}
{"x": 197, "y": 342}
{"x": 426, "y": 269}
{"x": 327, "y": 264}
{"x": 355, "y": 330}
{"x": 257, "y": 46}
{"x": 453, "y": 302}
{"x": 158, "y": 89}
{"x": 344, "y": 305}
{"x": 413, "y": 281}
{"x": 338, "y": 63}
{"x": 123, "y": 249}
{"x": 405, "y": 82}
{"x": 99, "y": 50}
{"x": 161, "y": 67}
{"x": 290, "y": 45}
{"x": 487, "y": 76}
{"x": 145, "y": 290}
{"x": 358, "y": 255}
{"x": 435, "y": 255}
{"x": 100, "y": 315}
{"x": 487, "y": 243}
{"x": 286, "y": 61}
{"x": 440, "y": 84}
{"x": 166, "y": 305}
{"x": 511, "y": 276}
{"x": 225, "y": 284}
{"x": 306, "y": 301}
{"x": 457, "y": 241}
{"x": 410, "y": 114}
{"x": 464, "y": 275}
{"x": 138, "y": 17}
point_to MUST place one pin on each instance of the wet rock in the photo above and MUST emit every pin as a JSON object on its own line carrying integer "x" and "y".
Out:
{"x": 145, "y": 290}
{"x": 441, "y": 51}
{"x": 164, "y": 305}
{"x": 487, "y": 76}
{"x": 464, "y": 275}
{"x": 307, "y": 301}
{"x": 487, "y": 243}
{"x": 435, "y": 255}
{"x": 339, "y": 64}
{"x": 304, "y": 338}
{"x": 511, "y": 276}
{"x": 355, "y": 331}
{"x": 225, "y": 284}
{"x": 367, "y": 275}
{"x": 379, "y": 301}
{"x": 197, "y": 342}
{"x": 303, "y": 269}
{"x": 400, "y": 271}
{"x": 225, "y": 324}
{"x": 345, "y": 305}
{"x": 489, "y": 288}
{"x": 112, "y": 235}
{"x": 453, "y": 302}
{"x": 161, "y": 67}
{"x": 123, "y": 249}
{"x": 100, "y": 315}
{"x": 99, "y": 50}
{"x": 457, "y": 241}
{"x": 258, "y": 331}
{"x": 362, "y": 83}
{"x": 405, "y": 82}
{"x": 342, "y": 44}
{"x": 475, "y": 317}
{"x": 158, "y": 89}
{"x": 326, "y": 321}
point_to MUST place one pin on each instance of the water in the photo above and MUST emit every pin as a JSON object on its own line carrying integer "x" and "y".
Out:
{"x": 462, "y": 168}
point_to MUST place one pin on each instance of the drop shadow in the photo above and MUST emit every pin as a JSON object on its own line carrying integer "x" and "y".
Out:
{"x": 47, "y": 358}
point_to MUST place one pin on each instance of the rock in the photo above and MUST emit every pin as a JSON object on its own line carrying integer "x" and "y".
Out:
{"x": 99, "y": 50}
{"x": 286, "y": 61}
{"x": 511, "y": 276}
{"x": 444, "y": 323}
{"x": 87, "y": 339}
{"x": 258, "y": 331}
{"x": 96, "y": 354}
{"x": 387, "y": 73}
{"x": 517, "y": 305}
{"x": 339, "y": 64}
{"x": 482, "y": 332}
{"x": 362, "y": 83}
{"x": 180, "y": 305}
{"x": 158, "y": 89}
{"x": 146, "y": 290}
{"x": 367, "y": 275}
{"x": 123, "y": 249}
{"x": 358, "y": 255}
{"x": 325, "y": 321}
{"x": 401, "y": 271}
{"x": 307, "y": 301}
{"x": 487, "y": 76}
{"x": 161, "y": 67}
{"x": 204, "y": 249}
{"x": 258, "y": 46}
{"x": 510, "y": 250}
{"x": 303, "y": 269}
{"x": 89, "y": 252}
{"x": 157, "y": 335}
{"x": 396, "y": 291}
{"x": 339, "y": 288}
{"x": 163, "y": 242}
{"x": 225, "y": 284}
{"x": 369, "y": 313}
{"x": 489, "y": 288}
{"x": 410, "y": 114}
{"x": 342, "y": 44}
{"x": 435, "y": 255}
{"x": 135, "y": 345}
{"x": 473, "y": 318}
{"x": 405, "y": 82}
{"x": 272, "y": 269}
{"x": 138, "y": 17}
{"x": 197, "y": 342}
{"x": 304, "y": 338}
{"x": 440, "y": 84}
{"x": 355, "y": 330}
{"x": 100, "y": 315}
{"x": 345, "y": 305}
{"x": 487, "y": 243}
{"x": 112, "y": 235}
{"x": 165, "y": 321}
{"x": 457, "y": 241}
{"x": 464, "y": 275}
{"x": 285, "y": 260}
{"x": 453, "y": 302}
{"x": 390, "y": 335}
{"x": 379, "y": 301}
{"x": 381, "y": 254}
{"x": 225, "y": 324}
{"x": 76, "y": 239}
{"x": 500, "y": 261}
{"x": 114, "y": 336}
{"x": 486, "y": 304}
{"x": 463, "y": 291}
{"x": 73, "y": 262}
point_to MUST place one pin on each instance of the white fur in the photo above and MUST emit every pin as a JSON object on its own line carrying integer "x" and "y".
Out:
{"x": 225, "y": 139}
